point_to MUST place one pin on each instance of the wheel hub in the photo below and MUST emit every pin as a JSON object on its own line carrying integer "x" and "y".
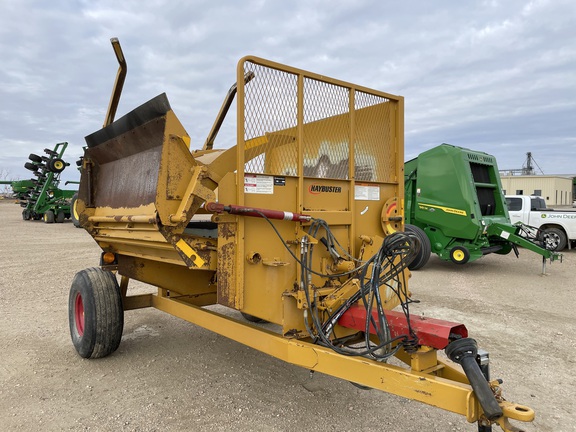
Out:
{"x": 79, "y": 314}
{"x": 459, "y": 255}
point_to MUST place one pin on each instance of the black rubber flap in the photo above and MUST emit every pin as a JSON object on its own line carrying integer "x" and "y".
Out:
{"x": 150, "y": 110}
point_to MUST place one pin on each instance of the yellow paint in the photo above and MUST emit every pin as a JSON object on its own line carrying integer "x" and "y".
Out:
{"x": 256, "y": 142}
{"x": 190, "y": 253}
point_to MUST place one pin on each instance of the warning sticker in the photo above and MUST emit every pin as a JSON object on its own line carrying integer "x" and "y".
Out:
{"x": 258, "y": 184}
{"x": 367, "y": 192}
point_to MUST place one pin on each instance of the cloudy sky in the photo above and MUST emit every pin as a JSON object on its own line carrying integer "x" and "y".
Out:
{"x": 497, "y": 76}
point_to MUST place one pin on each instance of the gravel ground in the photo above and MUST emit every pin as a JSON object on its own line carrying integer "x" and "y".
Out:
{"x": 169, "y": 375}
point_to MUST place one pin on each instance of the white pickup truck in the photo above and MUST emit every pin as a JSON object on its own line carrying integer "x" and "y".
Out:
{"x": 557, "y": 228}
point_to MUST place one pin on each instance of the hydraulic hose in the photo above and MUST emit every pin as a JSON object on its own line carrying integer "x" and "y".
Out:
{"x": 463, "y": 351}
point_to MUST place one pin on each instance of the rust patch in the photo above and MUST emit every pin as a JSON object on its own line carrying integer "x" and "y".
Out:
{"x": 127, "y": 182}
{"x": 226, "y": 230}
{"x": 127, "y": 266}
{"x": 205, "y": 255}
{"x": 225, "y": 265}
{"x": 126, "y": 166}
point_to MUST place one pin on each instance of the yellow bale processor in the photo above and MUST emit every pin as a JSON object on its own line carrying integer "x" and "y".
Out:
{"x": 299, "y": 224}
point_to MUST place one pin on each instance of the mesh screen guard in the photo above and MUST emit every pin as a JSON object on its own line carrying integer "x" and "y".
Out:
{"x": 300, "y": 124}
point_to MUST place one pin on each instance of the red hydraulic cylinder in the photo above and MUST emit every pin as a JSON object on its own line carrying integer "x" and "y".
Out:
{"x": 431, "y": 332}
{"x": 213, "y": 207}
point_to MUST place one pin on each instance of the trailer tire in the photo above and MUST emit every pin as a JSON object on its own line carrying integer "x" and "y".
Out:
{"x": 74, "y": 212}
{"x": 95, "y": 313}
{"x": 49, "y": 217}
{"x": 423, "y": 254}
{"x": 459, "y": 255}
{"x": 360, "y": 386}
{"x": 553, "y": 239}
{"x": 252, "y": 318}
{"x": 56, "y": 165}
{"x": 35, "y": 158}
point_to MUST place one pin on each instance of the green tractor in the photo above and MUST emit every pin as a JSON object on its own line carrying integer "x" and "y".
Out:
{"x": 455, "y": 205}
{"x": 43, "y": 198}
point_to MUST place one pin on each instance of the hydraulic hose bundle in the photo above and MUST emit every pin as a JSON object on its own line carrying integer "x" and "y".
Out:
{"x": 385, "y": 268}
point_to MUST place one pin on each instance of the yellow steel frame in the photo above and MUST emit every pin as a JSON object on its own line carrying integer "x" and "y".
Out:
{"x": 429, "y": 379}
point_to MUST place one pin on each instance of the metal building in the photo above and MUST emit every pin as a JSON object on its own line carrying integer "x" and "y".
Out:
{"x": 556, "y": 190}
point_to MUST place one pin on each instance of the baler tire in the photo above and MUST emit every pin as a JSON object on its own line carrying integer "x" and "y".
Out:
{"x": 553, "y": 239}
{"x": 95, "y": 313}
{"x": 56, "y": 165}
{"x": 35, "y": 158}
{"x": 459, "y": 255}
{"x": 74, "y": 211}
{"x": 49, "y": 217}
{"x": 423, "y": 254}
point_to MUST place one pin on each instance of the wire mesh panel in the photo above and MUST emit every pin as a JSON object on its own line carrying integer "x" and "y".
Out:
{"x": 375, "y": 157}
{"x": 270, "y": 112}
{"x": 345, "y": 133}
{"x": 326, "y": 144}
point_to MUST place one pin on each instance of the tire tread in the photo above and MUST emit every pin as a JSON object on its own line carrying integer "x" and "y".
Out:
{"x": 108, "y": 319}
{"x": 423, "y": 255}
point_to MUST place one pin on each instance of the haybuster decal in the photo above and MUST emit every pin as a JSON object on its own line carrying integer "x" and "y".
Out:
{"x": 318, "y": 189}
